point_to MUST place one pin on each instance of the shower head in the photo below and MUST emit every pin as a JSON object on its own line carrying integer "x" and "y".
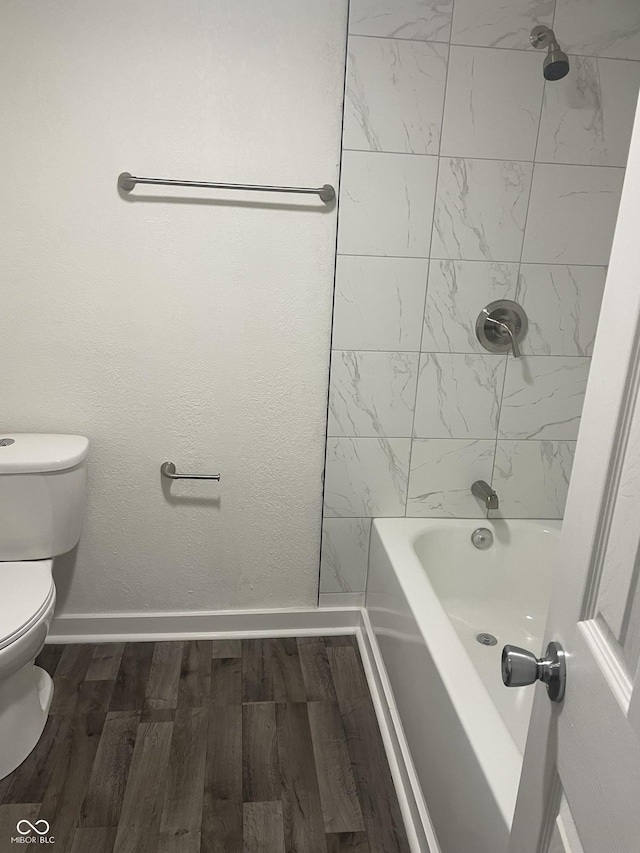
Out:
{"x": 556, "y": 62}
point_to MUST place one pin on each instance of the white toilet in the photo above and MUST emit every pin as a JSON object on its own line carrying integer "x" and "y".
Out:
{"x": 42, "y": 494}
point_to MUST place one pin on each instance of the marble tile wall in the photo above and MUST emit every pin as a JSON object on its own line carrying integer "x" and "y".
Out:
{"x": 467, "y": 178}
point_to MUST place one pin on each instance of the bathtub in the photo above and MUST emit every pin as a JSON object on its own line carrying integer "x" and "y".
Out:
{"x": 430, "y": 592}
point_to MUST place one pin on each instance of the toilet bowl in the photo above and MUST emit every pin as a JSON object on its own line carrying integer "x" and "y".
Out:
{"x": 42, "y": 487}
{"x": 26, "y": 691}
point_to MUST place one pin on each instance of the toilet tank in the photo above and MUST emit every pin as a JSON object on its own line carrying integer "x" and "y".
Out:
{"x": 42, "y": 494}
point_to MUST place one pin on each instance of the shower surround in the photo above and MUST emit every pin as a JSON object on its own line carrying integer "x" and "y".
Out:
{"x": 466, "y": 178}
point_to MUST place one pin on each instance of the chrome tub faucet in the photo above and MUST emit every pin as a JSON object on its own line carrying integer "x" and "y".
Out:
{"x": 485, "y": 493}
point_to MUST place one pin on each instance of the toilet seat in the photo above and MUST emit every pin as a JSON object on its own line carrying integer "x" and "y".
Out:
{"x": 26, "y": 592}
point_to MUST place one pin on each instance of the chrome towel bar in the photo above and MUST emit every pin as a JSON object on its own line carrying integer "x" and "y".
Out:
{"x": 126, "y": 182}
{"x": 168, "y": 469}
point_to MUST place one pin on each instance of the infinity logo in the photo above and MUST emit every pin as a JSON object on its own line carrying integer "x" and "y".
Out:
{"x": 32, "y": 827}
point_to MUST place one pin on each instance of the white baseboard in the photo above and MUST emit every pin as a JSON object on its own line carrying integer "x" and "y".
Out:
{"x": 202, "y": 625}
{"x": 141, "y": 627}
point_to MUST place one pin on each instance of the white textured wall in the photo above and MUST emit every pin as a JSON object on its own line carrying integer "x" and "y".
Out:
{"x": 195, "y": 331}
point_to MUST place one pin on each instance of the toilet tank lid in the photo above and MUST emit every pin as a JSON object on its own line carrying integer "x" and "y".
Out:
{"x": 32, "y": 453}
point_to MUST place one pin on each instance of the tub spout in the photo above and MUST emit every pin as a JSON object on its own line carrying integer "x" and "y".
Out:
{"x": 486, "y": 494}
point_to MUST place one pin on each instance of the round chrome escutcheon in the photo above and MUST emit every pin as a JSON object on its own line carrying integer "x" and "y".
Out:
{"x": 482, "y": 538}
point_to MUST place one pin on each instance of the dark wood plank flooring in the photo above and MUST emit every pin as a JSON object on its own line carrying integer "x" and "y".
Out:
{"x": 253, "y": 746}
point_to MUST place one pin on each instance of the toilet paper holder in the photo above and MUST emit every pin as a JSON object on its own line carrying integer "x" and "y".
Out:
{"x": 168, "y": 469}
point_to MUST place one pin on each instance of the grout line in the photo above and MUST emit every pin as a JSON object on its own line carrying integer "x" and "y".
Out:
{"x": 333, "y": 301}
{"x": 486, "y": 159}
{"x": 415, "y": 398}
{"x": 482, "y": 353}
{"x": 517, "y": 293}
{"x": 471, "y": 260}
{"x": 469, "y": 518}
{"x": 466, "y": 438}
{"x": 495, "y": 448}
{"x": 366, "y": 576}
{"x": 451, "y": 517}
{"x": 426, "y": 290}
{"x": 525, "y": 49}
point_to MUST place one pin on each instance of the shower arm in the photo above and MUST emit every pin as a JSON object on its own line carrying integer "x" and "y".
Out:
{"x": 505, "y": 328}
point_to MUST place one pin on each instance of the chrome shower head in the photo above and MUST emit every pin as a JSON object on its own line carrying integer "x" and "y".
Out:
{"x": 556, "y": 62}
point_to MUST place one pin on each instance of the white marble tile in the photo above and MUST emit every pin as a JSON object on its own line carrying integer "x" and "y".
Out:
{"x": 543, "y": 397}
{"x": 599, "y": 27}
{"x": 457, "y": 292}
{"x": 480, "y": 209}
{"x": 459, "y": 395}
{"x": 499, "y": 23}
{"x": 386, "y": 204}
{"x": 372, "y": 393}
{"x": 395, "y": 95}
{"x": 562, "y": 304}
{"x": 619, "y": 84}
{"x": 531, "y": 478}
{"x": 366, "y": 477}
{"x": 379, "y": 303}
{"x": 345, "y": 554}
{"x": 572, "y": 214}
{"x": 587, "y": 116}
{"x": 442, "y": 471}
{"x": 493, "y": 103}
{"x": 428, "y": 20}
{"x": 572, "y": 127}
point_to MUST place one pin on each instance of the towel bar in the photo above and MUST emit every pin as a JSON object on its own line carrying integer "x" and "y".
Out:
{"x": 126, "y": 182}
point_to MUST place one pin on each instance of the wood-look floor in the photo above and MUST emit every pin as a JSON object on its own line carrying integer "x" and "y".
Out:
{"x": 253, "y": 746}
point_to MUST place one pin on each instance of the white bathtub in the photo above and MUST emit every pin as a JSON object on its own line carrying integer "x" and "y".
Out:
{"x": 429, "y": 593}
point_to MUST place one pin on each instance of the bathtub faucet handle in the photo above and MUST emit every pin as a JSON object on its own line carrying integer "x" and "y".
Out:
{"x": 521, "y": 667}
